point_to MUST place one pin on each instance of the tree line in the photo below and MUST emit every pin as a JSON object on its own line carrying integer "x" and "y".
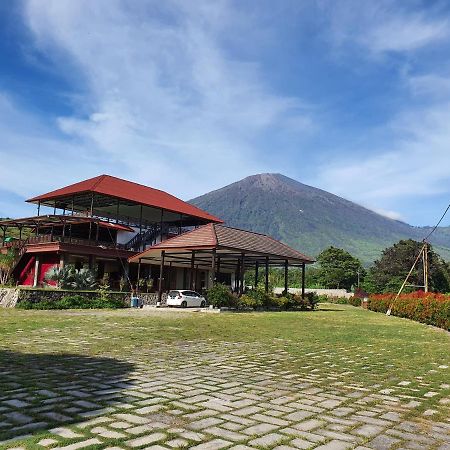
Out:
{"x": 338, "y": 269}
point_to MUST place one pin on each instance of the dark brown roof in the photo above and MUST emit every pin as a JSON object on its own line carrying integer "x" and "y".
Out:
{"x": 127, "y": 190}
{"x": 219, "y": 236}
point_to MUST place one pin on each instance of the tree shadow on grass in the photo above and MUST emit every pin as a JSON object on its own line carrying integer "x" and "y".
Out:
{"x": 41, "y": 391}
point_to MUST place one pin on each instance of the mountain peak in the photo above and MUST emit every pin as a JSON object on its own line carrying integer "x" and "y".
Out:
{"x": 306, "y": 218}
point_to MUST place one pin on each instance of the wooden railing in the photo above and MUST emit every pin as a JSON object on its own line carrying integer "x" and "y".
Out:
{"x": 47, "y": 238}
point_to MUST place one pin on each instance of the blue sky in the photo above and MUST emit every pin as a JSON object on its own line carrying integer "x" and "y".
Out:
{"x": 187, "y": 96}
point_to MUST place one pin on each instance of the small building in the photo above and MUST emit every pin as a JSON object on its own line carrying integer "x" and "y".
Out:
{"x": 217, "y": 253}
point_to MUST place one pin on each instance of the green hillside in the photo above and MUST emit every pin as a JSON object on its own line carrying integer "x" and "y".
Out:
{"x": 310, "y": 219}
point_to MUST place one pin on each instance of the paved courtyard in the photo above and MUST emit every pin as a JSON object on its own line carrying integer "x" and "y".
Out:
{"x": 213, "y": 395}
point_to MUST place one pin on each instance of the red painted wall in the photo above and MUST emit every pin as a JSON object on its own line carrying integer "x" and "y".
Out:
{"x": 47, "y": 261}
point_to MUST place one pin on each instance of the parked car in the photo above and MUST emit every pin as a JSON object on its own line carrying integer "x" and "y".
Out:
{"x": 185, "y": 299}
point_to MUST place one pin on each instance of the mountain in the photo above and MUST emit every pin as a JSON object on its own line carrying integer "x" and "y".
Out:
{"x": 310, "y": 219}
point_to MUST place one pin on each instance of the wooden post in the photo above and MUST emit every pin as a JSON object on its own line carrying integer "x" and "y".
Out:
{"x": 96, "y": 233}
{"x": 117, "y": 211}
{"x": 303, "y": 280}
{"x": 54, "y": 208}
{"x": 213, "y": 269}
{"x": 286, "y": 273}
{"x": 161, "y": 272}
{"x": 73, "y": 203}
{"x": 161, "y": 223}
{"x": 90, "y": 215}
{"x": 241, "y": 289}
{"x": 39, "y": 208}
{"x": 192, "y": 283}
{"x": 256, "y": 274}
{"x": 425, "y": 267}
{"x": 140, "y": 229}
{"x": 169, "y": 275}
{"x": 138, "y": 275}
{"x": 267, "y": 275}
{"x": 237, "y": 280}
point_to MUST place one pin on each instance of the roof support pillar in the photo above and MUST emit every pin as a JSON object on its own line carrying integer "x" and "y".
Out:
{"x": 39, "y": 208}
{"x": 213, "y": 269}
{"x": 161, "y": 273}
{"x": 286, "y": 274}
{"x": 237, "y": 275}
{"x": 241, "y": 287}
{"x": 303, "y": 280}
{"x": 91, "y": 210}
{"x": 138, "y": 275}
{"x": 267, "y": 275}
{"x": 192, "y": 283}
{"x": 73, "y": 203}
{"x": 37, "y": 270}
{"x": 117, "y": 211}
{"x": 256, "y": 274}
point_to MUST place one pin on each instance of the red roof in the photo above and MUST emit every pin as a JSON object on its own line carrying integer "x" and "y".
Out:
{"x": 127, "y": 190}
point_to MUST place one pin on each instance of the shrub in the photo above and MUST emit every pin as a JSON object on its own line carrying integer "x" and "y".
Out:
{"x": 429, "y": 308}
{"x": 248, "y": 301}
{"x": 220, "y": 296}
{"x": 261, "y": 298}
{"x": 68, "y": 277}
{"x": 74, "y": 302}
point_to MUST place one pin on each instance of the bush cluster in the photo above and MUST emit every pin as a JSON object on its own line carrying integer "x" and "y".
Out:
{"x": 429, "y": 308}
{"x": 74, "y": 302}
{"x": 220, "y": 296}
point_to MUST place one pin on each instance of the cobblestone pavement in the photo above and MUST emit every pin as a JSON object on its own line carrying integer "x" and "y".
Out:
{"x": 209, "y": 396}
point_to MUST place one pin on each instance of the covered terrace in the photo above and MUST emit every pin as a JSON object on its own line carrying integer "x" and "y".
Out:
{"x": 217, "y": 249}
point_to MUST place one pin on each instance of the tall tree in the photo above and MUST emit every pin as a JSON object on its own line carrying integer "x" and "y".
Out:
{"x": 6, "y": 265}
{"x": 389, "y": 272}
{"x": 338, "y": 269}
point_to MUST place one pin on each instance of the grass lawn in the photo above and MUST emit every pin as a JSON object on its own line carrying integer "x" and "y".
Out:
{"x": 100, "y": 375}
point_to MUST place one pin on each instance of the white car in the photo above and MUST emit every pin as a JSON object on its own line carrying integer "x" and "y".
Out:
{"x": 185, "y": 299}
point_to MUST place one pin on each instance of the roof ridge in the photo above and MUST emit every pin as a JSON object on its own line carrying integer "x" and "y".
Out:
{"x": 242, "y": 229}
{"x": 100, "y": 178}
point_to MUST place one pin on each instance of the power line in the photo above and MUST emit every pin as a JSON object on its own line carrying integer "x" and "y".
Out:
{"x": 440, "y": 220}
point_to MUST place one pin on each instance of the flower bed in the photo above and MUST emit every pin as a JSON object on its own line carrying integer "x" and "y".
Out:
{"x": 429, "y": 308}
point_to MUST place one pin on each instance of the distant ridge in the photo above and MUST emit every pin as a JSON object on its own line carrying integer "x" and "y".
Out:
{"x": 310, "y": 219}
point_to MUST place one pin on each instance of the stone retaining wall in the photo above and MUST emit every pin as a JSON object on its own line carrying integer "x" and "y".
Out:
{"x": 10, "y": 297}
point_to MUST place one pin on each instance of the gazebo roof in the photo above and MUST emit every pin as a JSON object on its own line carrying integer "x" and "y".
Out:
{"x": 228, "y": 242}
{"x": 117, "y": 188}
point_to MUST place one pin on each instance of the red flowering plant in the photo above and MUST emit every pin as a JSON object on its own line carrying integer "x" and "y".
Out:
{"x": 426, "y": 307}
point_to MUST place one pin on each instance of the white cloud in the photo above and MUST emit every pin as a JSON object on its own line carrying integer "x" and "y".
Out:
{"x": 413, "y": 163}
{"x": 394, "y": 215}
{"x": 165, "y": 102}
{"x": 383, "y": 26}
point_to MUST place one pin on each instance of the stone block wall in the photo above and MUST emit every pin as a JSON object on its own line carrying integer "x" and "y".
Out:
{"x": 10, "y": 297}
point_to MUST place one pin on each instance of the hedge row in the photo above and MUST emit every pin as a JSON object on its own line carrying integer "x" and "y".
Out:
{"x": 74, "y": 302}
{"x": 220, "y": 296}
{"x": 429, "y": 308}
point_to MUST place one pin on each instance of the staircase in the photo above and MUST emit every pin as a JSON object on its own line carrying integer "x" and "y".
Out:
{"x": 138, "y": 242}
